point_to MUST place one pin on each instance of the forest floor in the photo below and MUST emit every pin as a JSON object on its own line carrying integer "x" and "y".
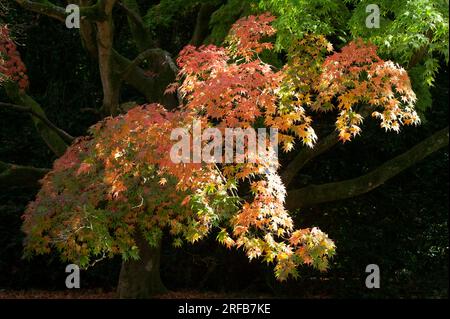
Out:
{"x": 100, "y": 294}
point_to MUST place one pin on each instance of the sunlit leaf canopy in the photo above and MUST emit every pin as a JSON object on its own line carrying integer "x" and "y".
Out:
{"x": 412, "y": 33}
{"x": 120, "y": 180}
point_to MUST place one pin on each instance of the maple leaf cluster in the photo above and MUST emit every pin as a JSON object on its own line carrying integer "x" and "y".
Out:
{"x": 235, "y": 88}
{"x": 245, "y": 38}
{"x": 118, "y": 181}
{"x": 121, "y": 180}
{"x": 11, "y": 66}
{"x": 356, "y": 78}
{"x": 305, "y": 58}
{"x": 232, "y": 87}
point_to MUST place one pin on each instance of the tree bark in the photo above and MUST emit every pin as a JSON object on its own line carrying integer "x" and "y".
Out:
{"x": 317, "y": 194}
{"x": 141, "y": 34}
{"x": 202, "y": 23}
{"x": 110, "y": 81}
{"x": 64, "y": 135}
{"x": 12, "y": 175}
{"x": 306, "y": 155}
{"x": 153, "y": 88}
{"x": 47, "y": 8}
{"x": 53, "y": 139}
{"x": 140, "y": 279}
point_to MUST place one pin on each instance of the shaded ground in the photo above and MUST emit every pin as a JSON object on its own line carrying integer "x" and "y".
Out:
{"x": 100, "y": 294}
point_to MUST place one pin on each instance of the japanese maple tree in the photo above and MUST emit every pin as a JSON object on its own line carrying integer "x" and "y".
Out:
{"x": 120, "y": 180}
{"x": 117, "y": 191}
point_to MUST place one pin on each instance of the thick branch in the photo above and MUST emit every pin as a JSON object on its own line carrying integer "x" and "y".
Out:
{"x": 88, "y": 32}
{"x": 105, "y": 38}
{"x": 307, "y": 154}
{"x": 157, "y": 54}
{"x": 152, "y": 87}
{"x": 139, "y": 30}
{"x": 53, "y": 139}
{"x": 20, "y": 176}
{"x": 418, "y": 56}
{"x": 46, "y": 8}
{"x": 59, "y": 13}
{"x": 133, "y": 14}
{"x": 316, "y": 194}
{"x": 202, "y": 22}
{"x": 64, "y": 135}
{"x": 101, "y": 13}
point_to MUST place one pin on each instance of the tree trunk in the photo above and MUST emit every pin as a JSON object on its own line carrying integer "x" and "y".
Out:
{"x": 140, "y": 279}
{"x": 202, "y": 24}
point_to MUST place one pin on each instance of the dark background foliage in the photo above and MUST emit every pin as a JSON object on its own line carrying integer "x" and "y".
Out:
{"x": 401, "y": 226}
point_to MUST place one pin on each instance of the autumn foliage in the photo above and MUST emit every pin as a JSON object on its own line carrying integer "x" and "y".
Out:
{"x": 120, "y": 180}
{"x": 11, "y": 66}
{"x": 358, "y": 76}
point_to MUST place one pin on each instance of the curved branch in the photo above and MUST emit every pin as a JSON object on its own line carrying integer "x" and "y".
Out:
{"x": 20, "y": 176}
{"x": 53, "y": 140}
{"x": 152, "y": 87}
{"x": 316, "y": 194}
{"x": 202, "y": 23}
{"x": 156, "y": 54}
{"x": 138, "y": 60}
{"x": 46, "y": 8}
{"x": 307, "y": 154}
{"x": 141, "y": 34}
{"x": 132, "y": 14}
{"x": 59, "y": 13}
{"x": 63, "y": 134}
